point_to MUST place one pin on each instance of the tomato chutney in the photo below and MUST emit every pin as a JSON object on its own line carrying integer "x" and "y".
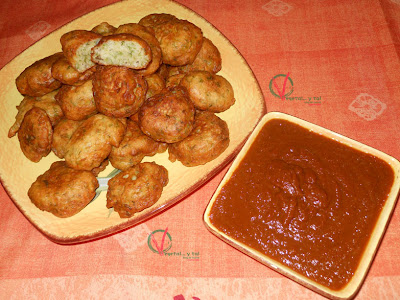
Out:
{"x": 304, "y": 200}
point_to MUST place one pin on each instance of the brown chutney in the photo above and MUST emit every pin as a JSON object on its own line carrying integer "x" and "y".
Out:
{"x": 304, "y": 200}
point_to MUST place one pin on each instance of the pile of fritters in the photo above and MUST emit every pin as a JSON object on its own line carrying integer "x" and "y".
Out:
{"x": 116, "y": 95}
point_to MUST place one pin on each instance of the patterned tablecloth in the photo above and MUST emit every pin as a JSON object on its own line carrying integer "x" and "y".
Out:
{"x": 343, "y": 59}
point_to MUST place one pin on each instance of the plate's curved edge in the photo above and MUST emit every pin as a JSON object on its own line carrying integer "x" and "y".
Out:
{"x": 125, "y": 225}
{"x": 20, "y": 208}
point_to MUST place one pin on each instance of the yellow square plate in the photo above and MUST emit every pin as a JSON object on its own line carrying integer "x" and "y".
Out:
{"x": 18, "y": 173}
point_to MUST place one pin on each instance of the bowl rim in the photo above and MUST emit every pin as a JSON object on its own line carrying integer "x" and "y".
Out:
{"x": 353, "y": 286}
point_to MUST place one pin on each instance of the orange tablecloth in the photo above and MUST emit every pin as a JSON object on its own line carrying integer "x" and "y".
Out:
{"x": 343, "y": 60}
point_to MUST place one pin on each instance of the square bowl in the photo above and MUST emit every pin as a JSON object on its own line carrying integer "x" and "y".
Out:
{"x": 229, "y": 219}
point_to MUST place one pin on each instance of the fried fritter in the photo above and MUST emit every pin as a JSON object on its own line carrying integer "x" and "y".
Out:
{"x": 134, "y": 147}
{"x": 168, "y": 116}
{"x": 174, "y": 80}
{"x": 180, "y": 41}
{"x": 104, "y": 29}
{"x": 37, "y": 79}
{"x": 35, "y": 134}
{"x": 163, "y": 71}
{"x": 209, "y": 91}
{"x": 136, "y": 188}
{"x": 156, "y": 19}
{"x": 147, "y": 34}
{"x": 118, "y": 91}
{"x": 155, "y": 84}
{"x": 91, "y": 143}
{"x": 209, "y": 138}
{"x": 47, "y": 102}
{"x": 63, "y": 191}
{"x": 77, "y": 102}
{"x": 65, "y": 73}
{"x": 123, "y": 49}
{"x": 208, "y": 59}
{"x": 76, "y": 46}
{"x": 62, "y": 133}
{"x": 135, "y": 117}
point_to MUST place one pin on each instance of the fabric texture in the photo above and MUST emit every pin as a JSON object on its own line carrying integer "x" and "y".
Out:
{"x": 343, "y": 59}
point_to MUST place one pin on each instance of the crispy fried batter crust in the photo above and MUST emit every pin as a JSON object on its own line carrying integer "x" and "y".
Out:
{"x": 37, "y": 79}
{"x": 65, "y": 73}
{"x": 136, "y": 188}
{"x": 208, "y": 140}
{"x": 91, "y": 143}
{"x": 62, "y": 133}
{"x": 208, "y": 91}
{"x": 168, "y": 116}
{"x": 63, "y": 191}
{"x": 118, "y": 91}
{"x": 180, "y": 41}
{"x": 46, "y": 102}
{"x": 35, "y": 134}
{"x": 134, "y": 147}
{"x": 77, "y": 102}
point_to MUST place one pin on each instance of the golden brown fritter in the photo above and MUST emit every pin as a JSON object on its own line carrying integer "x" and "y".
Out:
{"x": 46, "y": 102}
{"x": 104, "y": 29}
{"x": 153, "y": 20}
{"x": 77, "y": 45}
{"x": 122, "y": 49}
{"x": 118, "y": 91}
{"x": 91, "y": 143}
{"x": 208, "y": 59}
{"x": 62, "y": 133}
{"x": 35, "y": 134}
{"x": 136, "y": 188}
{"x": 147, "y": 34}
{"x": 134, "y": 147}
{"x": 37, "y": 79}
{"x": 209, "y": 91}
{"x": 163, "y": 71}
{"x": 209, "y": 138}
{"x": 168, "y": 116}
{"x": 66, "y": 74}
{"x": 135, "y": 117}
{"x": 63, "y": 191}
{"x": 77, "y": 102}
{"x": 174, "y": 80}
{"x": 155, "y": 84}
{"x": 180, "y": 41}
